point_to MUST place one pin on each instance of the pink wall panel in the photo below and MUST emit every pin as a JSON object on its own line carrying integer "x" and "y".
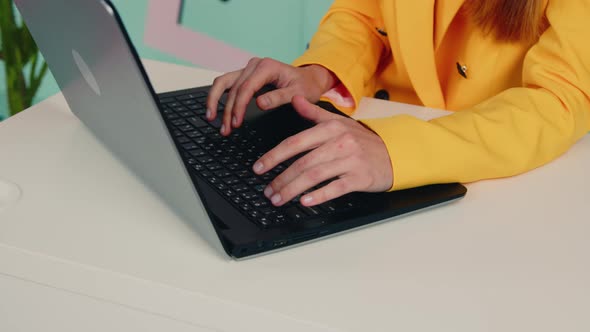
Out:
{"x": 164, "y": 32}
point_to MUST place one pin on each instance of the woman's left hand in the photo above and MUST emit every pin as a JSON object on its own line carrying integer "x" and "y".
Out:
{"x": 339, "y": 148}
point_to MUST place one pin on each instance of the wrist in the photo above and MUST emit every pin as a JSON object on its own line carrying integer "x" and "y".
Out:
{"x": 323, "y": 77}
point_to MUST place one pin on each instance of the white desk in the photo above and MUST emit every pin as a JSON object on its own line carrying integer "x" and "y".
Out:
{"x": 88, "y": 241}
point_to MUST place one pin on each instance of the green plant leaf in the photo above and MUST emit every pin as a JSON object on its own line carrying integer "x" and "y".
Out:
{"x": 20, "y": 53}
{"x": 26, "y": 44}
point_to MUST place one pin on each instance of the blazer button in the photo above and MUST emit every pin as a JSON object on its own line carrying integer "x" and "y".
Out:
{"x": 382, "y": 94}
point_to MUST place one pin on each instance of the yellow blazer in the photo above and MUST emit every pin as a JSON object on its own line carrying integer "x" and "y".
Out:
{"x": 521, "y": 105}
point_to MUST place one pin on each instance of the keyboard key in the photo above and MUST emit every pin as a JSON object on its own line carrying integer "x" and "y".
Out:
{"x": 231, "y": 180}
{"x": 167, "y": 100}
{"x": 189, "y": 146}
{"x": 197, "y": 122}
{"x": 240, "y": 188}
{"x": 235, "y": 167}
{"x": 328, "y": 207}
{"x": 223, "y": 174}
{"x": 205, "y": 159}
{"x": 207, "y": 130}
{"x": 216, "y": 153}
{"x": 187, "y": 97}
{"x": 278, "y": 219}
{"x": 229, "y": 193}
{"x": 183, "y": 140}
{"x": 217, "y": 122}
{"x": 294, "y": 213}
{"x": 213, "y": 167}
{"x": 179, "y": 122}
{"x": 226, "y": 160}
{"x": 245, "y": 206}
{"x": 194, "y": 134}
{"x": 215, "y": 135}
{"x": 252, "y": 181}
{"x": 206, "y": 174}
{"x": 249, "y": 196}
{"x": 263, "y": 221}
{"x": 242, "y": 173}
{"x": 260, "y": 203}
{"x": 267, "y": 177}
{"x": 188, "y": 102}
{"x": 268, "y": 211}
{"x": 259, "y": 188}
{"x": 186, "y": 128}
{"x": 199, "y": 140}
{"x": 344, "y": 204}
{"x": 254, "y": 214}
{"x": 311, "y": 210}
{"x": 197, "y": 153}
{"x": 198, "y": 110}
{"x": 221, "y": 186}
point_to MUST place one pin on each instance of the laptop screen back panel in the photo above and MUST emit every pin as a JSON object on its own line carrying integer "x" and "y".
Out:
{"x": 105, "y": 85}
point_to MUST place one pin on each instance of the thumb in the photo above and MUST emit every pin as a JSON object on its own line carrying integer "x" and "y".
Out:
{"x": 310, "y": 111}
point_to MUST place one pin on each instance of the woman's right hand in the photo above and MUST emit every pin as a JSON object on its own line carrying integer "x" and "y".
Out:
{"x": 309, "y": 81}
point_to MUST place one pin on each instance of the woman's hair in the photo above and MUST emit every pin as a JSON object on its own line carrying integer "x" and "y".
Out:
{"x": 509, "y": 20}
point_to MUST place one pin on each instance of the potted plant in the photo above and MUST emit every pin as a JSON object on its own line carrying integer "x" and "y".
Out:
{"x": 23, "y": 64}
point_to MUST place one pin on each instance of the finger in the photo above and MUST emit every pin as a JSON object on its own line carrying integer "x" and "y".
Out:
{"x": 292, "y": 146}
{"x": 266, "y": 72}
{"x": 312, "y": 112}
{"x": 337, "y": 188}
{"x": 220, "y": 84}
{"x": 308, "y": 179}
{"x": 275, "y": 98}
{"x": 232, "y": 95}
{"x": 322, "y": 155}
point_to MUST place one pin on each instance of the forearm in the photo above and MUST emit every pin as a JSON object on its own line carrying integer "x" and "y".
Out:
{"x": 348, "y": 45}
{"x": 514, "y": 132}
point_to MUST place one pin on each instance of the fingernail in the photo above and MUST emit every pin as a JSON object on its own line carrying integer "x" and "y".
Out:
{"x": 268, "y": 192}
{"x": 234, "y": 121}
{"x": 276, "y": 199}
{"x": 264, "y": 102}
{"x": 258, "y": 167}
{"x": 208, "y": 114}
{"x": 223, "y": 129}
{"x": 306, "y": 200}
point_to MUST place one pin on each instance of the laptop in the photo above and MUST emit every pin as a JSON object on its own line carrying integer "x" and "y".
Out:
{"x": 166, "y": 141}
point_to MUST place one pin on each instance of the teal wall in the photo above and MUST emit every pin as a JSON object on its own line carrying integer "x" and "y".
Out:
{"x": 277, "y": 29}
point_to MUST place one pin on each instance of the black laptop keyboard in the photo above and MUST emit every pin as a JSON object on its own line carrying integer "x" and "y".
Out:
{"x": 226, "y": 163}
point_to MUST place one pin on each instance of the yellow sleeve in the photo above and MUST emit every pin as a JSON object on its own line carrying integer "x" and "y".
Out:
{"x": 348, "y": 44}
{"x": 513, "y": 132}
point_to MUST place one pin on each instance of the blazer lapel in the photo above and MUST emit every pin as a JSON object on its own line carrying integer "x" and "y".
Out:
{"x": 445, "y": 13}
{"x": 415, "y": 25}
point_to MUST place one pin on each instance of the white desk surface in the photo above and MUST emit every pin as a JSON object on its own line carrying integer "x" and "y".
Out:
{"x": 87, "y": 247}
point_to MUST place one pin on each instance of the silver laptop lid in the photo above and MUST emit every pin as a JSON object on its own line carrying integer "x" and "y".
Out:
{"x": 105, "y": 85}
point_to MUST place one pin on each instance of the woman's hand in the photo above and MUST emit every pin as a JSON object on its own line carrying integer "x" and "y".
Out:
{"x": 309, "y": 81}
{"x": 339, "y": 148}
